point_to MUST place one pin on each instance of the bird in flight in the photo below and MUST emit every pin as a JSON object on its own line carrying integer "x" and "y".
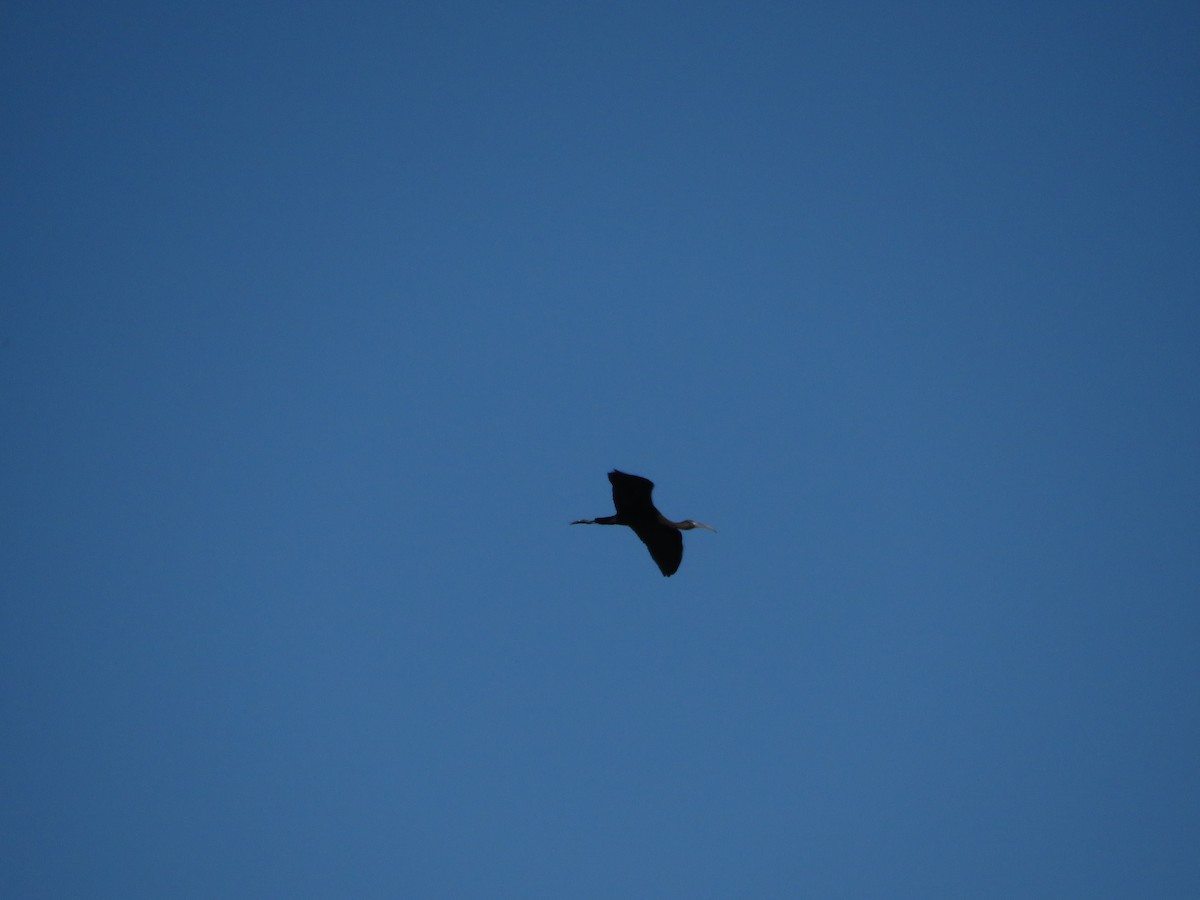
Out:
{"x": 631, "y": 497}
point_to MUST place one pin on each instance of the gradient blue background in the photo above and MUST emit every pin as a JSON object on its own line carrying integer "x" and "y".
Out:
{"x": 320, "y": 321}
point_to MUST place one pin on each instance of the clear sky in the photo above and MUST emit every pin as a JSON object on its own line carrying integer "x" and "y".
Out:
{"x": 320, "y": 321}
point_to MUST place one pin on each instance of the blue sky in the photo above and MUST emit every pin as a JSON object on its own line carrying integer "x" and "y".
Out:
{"x": 319, "y": 323}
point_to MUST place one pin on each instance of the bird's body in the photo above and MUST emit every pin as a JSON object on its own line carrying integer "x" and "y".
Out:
{"x": 631, "y": 497}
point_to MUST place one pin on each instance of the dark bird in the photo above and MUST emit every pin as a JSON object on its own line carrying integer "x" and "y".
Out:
{"x": 631, "y": 497}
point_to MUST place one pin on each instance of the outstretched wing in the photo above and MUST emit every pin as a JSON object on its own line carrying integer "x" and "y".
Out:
{"x": 631, "y": 497}
{"x": 665, "y": 546}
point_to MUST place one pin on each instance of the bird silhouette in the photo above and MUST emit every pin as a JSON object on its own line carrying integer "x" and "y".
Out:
{"x": 631, "y": 497}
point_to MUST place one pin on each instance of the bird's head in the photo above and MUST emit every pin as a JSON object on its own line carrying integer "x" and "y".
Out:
{"x": 689, "y": 524}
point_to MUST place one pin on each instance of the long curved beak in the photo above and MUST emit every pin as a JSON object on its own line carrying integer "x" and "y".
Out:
{"x": 709, "y": 527}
